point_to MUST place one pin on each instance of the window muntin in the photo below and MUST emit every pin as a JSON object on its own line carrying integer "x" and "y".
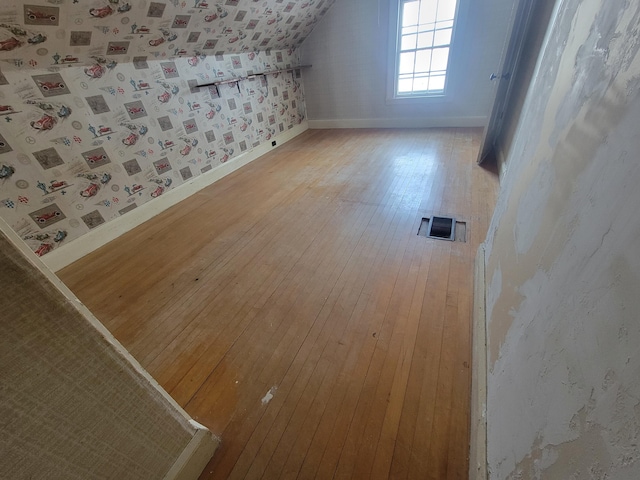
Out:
{"x": 424, "y": 38}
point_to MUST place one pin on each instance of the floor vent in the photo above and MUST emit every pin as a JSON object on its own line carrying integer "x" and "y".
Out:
{"x": 443, "y": 228}
{"x": 461, "y": 232}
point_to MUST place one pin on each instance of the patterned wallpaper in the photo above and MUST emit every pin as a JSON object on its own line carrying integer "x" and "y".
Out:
{"x": 99, "y": 113}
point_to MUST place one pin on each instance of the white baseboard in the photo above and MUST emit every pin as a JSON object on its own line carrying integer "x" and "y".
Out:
{"x": 400, "y": 122}
{"x": 78, "y": 248}
{"x": 478, "y": 436}
{"x": 194, "y": 458}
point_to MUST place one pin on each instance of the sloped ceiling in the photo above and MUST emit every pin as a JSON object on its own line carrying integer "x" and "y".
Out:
{"x": 79, "y": 31}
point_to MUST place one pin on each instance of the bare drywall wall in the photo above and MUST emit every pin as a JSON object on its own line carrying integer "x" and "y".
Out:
{"x": 563, "y": 259}
{"x": 71, "y": 405}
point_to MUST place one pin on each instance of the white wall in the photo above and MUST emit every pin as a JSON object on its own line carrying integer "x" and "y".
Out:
{"x": 346, "y": 86}
{"x": 563, "y": 259}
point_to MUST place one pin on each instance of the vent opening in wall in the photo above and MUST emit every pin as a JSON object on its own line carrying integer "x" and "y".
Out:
{"x": 443, "y": 228}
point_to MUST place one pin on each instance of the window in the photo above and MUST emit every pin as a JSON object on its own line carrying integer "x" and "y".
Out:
{"x": 423, "y": 42}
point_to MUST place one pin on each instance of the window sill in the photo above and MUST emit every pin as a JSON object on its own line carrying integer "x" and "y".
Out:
{"x": 436, "y": 98}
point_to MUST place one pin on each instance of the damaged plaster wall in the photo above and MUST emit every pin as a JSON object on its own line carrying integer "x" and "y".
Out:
{"x": 523, "y": 76}
{"x": 563, "y": 259}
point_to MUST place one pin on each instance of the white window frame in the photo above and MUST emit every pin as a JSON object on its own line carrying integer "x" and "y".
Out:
{"x": 392, "y": 95}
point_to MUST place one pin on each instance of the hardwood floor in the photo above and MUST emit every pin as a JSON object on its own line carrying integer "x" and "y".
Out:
{"x": 293, "y": 309}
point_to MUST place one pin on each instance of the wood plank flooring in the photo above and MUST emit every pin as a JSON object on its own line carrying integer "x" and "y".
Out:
{"x": 293, "y": 309}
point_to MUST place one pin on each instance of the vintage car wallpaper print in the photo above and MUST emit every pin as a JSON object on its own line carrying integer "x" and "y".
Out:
{"x": 99, "y": 109}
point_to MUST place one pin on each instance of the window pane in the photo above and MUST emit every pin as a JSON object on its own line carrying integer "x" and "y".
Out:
{"x": 423, "y": 60}
{"x": 410, "y": 30}
{"x": 446, "y": 9}
{"x": 436, "y": 83}
{"x": 408, "y": 42}
{"x": 439, "y": 59}
{"x": 410, "y": 13}
{"x": 447, "y": 24}
{"x": 405, "y": 86}
{"x": 428, "y": 11}
{"x": 425, "y": 40}
{"x": 406, "y": 62}
{"x": 442, "y": 37}
{"x": 421, "y": 84}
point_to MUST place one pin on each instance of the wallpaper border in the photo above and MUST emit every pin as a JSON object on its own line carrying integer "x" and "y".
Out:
{"x": 87, "y": 243}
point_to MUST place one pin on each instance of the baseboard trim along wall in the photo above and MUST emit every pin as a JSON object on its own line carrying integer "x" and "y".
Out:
{"x": 460, "y": 122}
{"x": 69, "y": 253}
{"x": 478, "y": 436}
